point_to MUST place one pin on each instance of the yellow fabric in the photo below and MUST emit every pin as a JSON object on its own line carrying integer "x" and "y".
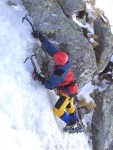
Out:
{"x": 63, "y": 94}
{"x": 59, "y": 112}
{"x": 72, "y": 108}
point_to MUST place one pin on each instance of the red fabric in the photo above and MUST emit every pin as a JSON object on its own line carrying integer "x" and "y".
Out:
{"x": 69, "y": 78}
{"x": 73, "y": 88}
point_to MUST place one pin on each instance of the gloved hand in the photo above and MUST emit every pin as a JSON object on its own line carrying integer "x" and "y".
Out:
{"x": 38, "y": 34}
{"x": 38, "y": 77}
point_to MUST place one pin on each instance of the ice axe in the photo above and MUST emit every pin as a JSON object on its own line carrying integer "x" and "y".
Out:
{"x": 34, "y": 63}
{"x": 36, "y": 33}
{"x": 25, "y": 17}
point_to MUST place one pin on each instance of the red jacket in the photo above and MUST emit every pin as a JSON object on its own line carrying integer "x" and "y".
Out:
{"x": 69, "y": 85}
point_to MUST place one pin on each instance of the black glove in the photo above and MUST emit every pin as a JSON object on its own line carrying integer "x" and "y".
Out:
{"x": 38, "y": 34}
{"x": 38, "y": 77}
{"x": 41, "y": 79}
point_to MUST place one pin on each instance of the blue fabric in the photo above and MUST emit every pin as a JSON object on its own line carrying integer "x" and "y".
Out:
{"x": 66, "y": 117}
{"x": 49, "y": 48}
{"x": 75, "y": 116}
{"x": 55, "y": 80}
{"x": 67, "y": 91}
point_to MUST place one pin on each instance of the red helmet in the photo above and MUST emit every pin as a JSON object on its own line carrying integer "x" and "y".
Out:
{"x": 60, "y": 58}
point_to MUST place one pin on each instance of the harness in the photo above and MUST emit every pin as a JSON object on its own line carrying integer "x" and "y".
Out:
{"x": 71, "y": 83}
{"x": 57, "y": 89}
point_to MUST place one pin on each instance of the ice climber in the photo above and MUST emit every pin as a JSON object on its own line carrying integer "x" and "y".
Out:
{"x": 63, "y": 79}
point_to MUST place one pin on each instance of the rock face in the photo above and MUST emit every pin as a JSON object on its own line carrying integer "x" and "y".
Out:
{"x": 50, "y": 17}
{"x": 103, "y": 118}
{"x": 104, "y": 50}
{"x": 71, "y": 6}
{"x": 64, "y": 34}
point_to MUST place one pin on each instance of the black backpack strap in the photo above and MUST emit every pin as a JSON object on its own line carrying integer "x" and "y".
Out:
{"x": 71, "y": 83}
{"x": 59, "y": 72}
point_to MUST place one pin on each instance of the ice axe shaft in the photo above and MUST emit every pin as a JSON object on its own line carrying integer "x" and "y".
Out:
{"x": 29, "y": 57}
{"x": 25, "y": 17}
{"x": 34, "y": 63}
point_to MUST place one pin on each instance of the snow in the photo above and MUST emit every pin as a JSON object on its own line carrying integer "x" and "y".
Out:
{"x": 76, "y": 21}
{"x": 111, "y": 58}
{"x": 85, "y": 91}
{"x": 107, "y": 6}
{"x": 26, "y": 117}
